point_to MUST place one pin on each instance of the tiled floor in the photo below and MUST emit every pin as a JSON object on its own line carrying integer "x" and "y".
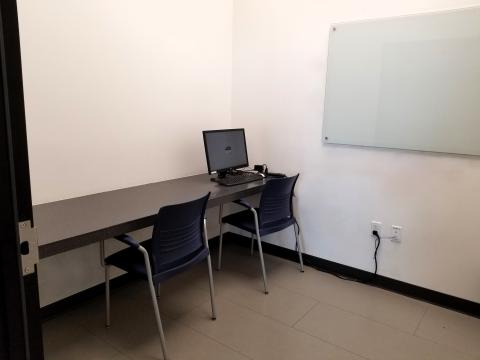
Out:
{"x": 309, "y": 315}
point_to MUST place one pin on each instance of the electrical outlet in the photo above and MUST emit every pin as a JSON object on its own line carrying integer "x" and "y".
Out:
{"x": 396, "y": 233}
{"x": 377, "y": 226}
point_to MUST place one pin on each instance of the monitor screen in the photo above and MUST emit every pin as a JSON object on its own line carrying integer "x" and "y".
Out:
{"x": 225, "y": 149}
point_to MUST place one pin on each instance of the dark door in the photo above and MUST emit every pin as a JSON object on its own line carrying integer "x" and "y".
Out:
{"x": 20, "y": 327}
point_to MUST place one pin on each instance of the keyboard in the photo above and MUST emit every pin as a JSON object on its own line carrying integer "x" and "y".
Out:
{"x": 237, "y": 179}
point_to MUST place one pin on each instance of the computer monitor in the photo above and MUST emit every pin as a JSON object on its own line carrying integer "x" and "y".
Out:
{"x": 225, "y": 150}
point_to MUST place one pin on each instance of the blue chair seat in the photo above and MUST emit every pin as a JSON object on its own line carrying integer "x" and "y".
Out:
{"x": 132, "y": 261}
{"x": 244, "y": 220}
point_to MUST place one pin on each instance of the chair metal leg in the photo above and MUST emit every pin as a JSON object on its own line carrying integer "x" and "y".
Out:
{"x": 210, "y": 274}
{"x": 260, "y": 252}
{"x": 107, "y": 295}
{"x": 298, "y": 245}
{"x": 251, "y": 244}
{"x": 157, "y": 291}
{"x": 154, "y": 301}
{"x": 220, "y": 245}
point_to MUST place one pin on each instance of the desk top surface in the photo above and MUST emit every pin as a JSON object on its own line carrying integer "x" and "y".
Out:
{"x": 68, "y": 224}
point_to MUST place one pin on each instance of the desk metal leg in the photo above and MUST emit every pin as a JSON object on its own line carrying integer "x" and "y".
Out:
{"x": 102, "y": 253}
{"x": 107, "y": 295}
{"x": 220, "y": 245}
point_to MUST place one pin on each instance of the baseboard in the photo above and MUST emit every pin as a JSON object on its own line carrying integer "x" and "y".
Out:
{"x": 434, "y": 297}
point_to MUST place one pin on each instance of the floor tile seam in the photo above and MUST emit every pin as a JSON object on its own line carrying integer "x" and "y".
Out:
{"x": 105, "y": 341}
{"x": 427, "y": 304}
{"x": 391, "y": 292}
{"x": 258, "y": 312}
{"x": 321, "y": 301}
{"x": 421, "y": 320}
{"x": 264, "y": 315}
{"x": 367, "y": 358}
{"x": 295, "y": 329}
{"x": 304, "y": 315}
{"x": 219, "y": 342}
{"x": 317, "y": 303}
{"x": 332, "y": 344}
{"x": 412, "y": 335}
{"x": 184, "y": 323}
{"x": 120, "y": 350}
{"x": 226, "y": 299}
{"x": 280, "y": 323}
{"x": 293, "y": 291}
{"x": 451, "y": 347}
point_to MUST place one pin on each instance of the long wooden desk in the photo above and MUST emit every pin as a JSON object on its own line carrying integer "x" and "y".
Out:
{"x": 69, "y": 224}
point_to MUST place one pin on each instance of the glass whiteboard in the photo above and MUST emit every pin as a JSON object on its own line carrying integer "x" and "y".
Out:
{"x": 409, "y": 82}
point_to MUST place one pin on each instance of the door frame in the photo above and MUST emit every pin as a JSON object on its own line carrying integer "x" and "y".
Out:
{"x": 20, "y": 322}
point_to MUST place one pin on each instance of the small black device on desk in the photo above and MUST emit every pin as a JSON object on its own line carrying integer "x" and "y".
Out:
{"x": 226, "y": 152}
{"x": 263, "y": 169}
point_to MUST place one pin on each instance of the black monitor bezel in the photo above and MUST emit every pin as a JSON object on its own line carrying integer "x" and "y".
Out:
{"x": 205, "y": 132}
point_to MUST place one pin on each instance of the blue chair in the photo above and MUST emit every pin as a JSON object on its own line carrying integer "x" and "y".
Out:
{"x": 275, "y": 213}
{"x": 179, "y": 240}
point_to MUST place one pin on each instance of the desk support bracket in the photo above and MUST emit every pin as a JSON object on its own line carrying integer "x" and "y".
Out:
{"x": 28, "y": 247}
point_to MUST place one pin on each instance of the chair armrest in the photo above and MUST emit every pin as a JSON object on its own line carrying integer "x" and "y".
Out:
{"x": 243, "y": 203}
{"x": 127, "y": 239}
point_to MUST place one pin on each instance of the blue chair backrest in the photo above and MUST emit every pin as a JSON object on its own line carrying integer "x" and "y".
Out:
{"x": 178, "y": 233}
{"x": 276, "y": 200}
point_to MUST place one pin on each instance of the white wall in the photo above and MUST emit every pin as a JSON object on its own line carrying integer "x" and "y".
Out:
{"x": 279, "y": 68}
{"x": 117, "y": 93}
{"x": 123, "y": 90}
